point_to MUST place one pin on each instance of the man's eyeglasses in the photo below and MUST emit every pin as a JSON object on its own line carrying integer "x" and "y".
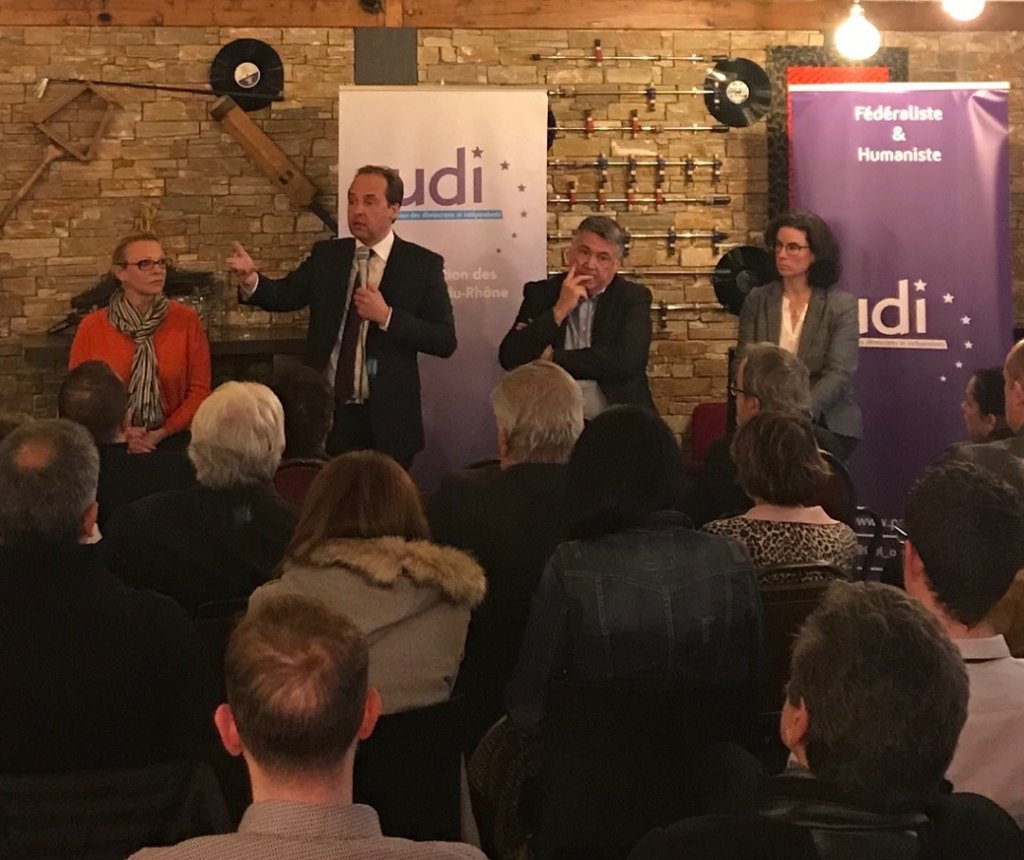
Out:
{"x": 791, "y": 248}
{"x": 734, "y": 389}
{"x": 147, "y": 265}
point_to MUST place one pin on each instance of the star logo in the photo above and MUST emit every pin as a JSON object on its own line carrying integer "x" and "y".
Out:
{"x": 942, "y": 379}
{"x": 965, "y": 320}
{"x": 919, "y": 285}
{"x": 968, "y": 345}
{"x": 522, "y": 214}
{"x": 958, "y": 365}
{"x": 477, "y": 152}
{"x": 522, "y": 187}
{"x": 948, "y": 298}
{"x": 504, "y": 165}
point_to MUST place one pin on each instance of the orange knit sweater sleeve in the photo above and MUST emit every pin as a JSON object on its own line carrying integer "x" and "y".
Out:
{"x": 182, "y": 357}
{"x": 189, "y": 353}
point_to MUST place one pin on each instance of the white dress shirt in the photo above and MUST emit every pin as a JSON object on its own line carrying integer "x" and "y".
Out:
{"x": 375, "y": 271}
{"x": 579, "y": 329}
{"x": 989, "y": 758}
{"x": 789, "y": 334}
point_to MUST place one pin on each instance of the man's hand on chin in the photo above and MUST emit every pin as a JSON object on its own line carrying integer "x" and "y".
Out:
{"x": 573, "y": 291}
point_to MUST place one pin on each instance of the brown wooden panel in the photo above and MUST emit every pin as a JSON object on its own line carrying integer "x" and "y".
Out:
{"x": 696, "y": 15}
{"x": 193, "y": 13}
{"x": 504, "y": 14}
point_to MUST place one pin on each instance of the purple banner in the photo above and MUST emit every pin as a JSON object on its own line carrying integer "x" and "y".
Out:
{"x": 913, "y": 179}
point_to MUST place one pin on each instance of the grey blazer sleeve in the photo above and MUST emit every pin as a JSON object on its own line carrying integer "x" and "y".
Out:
{"x": 748, "y": 316}
{"x": 836, "y": 377}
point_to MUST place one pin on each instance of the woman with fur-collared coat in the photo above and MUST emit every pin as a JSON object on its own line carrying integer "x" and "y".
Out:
{"x": 362, "y": 547}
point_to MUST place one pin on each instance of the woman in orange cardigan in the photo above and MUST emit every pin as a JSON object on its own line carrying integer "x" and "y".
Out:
{"x": 157, "y": 347}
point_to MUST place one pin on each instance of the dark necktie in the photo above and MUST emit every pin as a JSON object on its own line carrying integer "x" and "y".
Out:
{"x": 344, "y": 377}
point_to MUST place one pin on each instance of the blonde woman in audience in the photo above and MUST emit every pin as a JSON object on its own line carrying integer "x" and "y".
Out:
{"x": 779, "y": 466}
{"x": 362, "y": 546}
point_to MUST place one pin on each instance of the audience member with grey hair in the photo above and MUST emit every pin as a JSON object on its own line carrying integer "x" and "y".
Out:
{"x": 94, "y": 396}
{"x": 590, "y": 321}
{"x": 770, "y": 379}
{"x": 223, "y": 537}
{"x": 510, "y": 515}
{"x": 48, "y": 472}
{"x": 766, "y": 379}
{"x": 96, "y": 675}
{"x": 539, "y": 412}
{"x": 876, "y": 699}
{"x": 238, "y": 438}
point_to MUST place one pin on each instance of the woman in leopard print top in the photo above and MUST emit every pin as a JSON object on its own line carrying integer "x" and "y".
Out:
{"x": 779, "y": 467}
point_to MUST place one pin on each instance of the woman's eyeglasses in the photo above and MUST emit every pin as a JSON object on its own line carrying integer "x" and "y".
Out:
{"x": 147, "y": 265}
{"x": 791, "y": 248}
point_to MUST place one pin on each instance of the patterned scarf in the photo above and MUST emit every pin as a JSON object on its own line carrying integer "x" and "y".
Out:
{"x": 144, "y": 386}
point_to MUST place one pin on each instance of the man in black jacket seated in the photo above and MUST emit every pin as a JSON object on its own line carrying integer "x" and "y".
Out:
{"x": 223, "y": 537}
{"x": 92, "y": 674}
{"x": 767, "y": 378}
{"x": 510, "y": 515}
{"x": 876, "y": 700}
{"x": 590, "y": 321}
{"x": 94, "y": 396}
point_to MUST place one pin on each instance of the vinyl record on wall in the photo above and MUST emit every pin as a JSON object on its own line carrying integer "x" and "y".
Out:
{"x": 738, "y": 272}
{"x": 740, "y": 92}
{"x": 248, "y": 70}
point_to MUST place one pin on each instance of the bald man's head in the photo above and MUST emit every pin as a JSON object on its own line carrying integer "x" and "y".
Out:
{"x": 49, "y": 471}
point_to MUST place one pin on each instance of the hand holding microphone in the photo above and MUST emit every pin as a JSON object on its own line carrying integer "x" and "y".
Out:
{"x": 369, "y": 302}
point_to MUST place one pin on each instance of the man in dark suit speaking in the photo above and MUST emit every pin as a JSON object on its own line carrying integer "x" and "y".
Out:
{"x": 593, "y": 323}
{"x": 375, "y": 301}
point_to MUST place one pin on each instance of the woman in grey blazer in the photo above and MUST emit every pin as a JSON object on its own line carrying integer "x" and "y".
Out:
{"x": 804, "y": 313}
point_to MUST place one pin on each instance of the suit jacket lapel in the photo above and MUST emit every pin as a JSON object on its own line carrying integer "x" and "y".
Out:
{"x": 605, "y": 310}
{"x": 338, "y": 269}
{"x": 813, "y": 324}
{"x": 773, "y": 313}
{"x": 564, "y": 327}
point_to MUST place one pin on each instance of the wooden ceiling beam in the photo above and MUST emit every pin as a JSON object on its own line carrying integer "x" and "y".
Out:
{"x": 892, "y": 15}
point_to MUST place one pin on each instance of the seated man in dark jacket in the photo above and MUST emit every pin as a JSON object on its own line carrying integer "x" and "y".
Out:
{"x": 510, "y": 515}
{"x": 94, "y": 396}
{"x": 590, "y": 321}
{"x": 767, "y": 378}
{"x": 92, "y": 674}
{"x": 223, "y": 537}
{"x": 876, "y": 700}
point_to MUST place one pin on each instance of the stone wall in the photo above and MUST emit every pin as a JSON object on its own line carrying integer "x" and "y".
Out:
{"x": 165, "y": 164}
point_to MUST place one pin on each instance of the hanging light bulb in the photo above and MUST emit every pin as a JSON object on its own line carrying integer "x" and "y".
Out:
{"x": 857, "y": 38}
{"x": 963, "y": 10}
